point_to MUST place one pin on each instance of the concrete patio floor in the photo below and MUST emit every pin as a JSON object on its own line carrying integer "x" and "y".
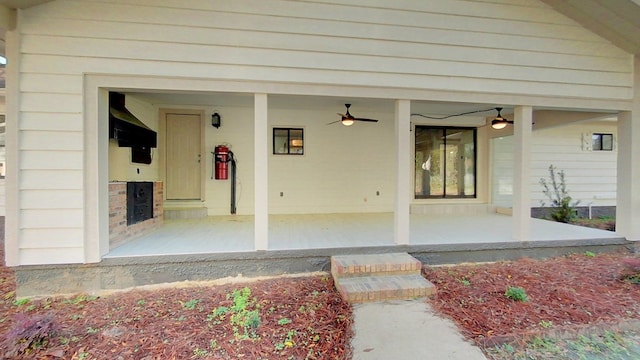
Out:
{"x": 229, "y": 234}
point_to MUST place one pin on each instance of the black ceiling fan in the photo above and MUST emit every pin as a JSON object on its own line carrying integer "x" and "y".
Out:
{"x": 348, "y": 119}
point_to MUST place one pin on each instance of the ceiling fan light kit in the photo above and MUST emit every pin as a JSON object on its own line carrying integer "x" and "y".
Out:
{"x": 348, "y": 119}
{"x": 347, "y": 122}
{"x": 499, "y": 122}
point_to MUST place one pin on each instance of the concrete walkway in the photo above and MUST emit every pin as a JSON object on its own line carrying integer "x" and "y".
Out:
{"x": 407, "y": 330}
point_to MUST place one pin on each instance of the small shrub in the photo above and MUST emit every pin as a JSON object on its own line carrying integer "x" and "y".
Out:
{"x": 555, "y": 189}
{"x": 516, "y": 294}
{"x": 29, "y": 333}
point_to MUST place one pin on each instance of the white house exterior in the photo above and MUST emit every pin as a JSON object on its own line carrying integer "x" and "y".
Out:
{"x": 293, "y": 64}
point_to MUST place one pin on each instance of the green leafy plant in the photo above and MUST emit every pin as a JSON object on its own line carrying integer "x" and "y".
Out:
{"x": 555, "y": 189}
{"x": 191, "y": 304}
{"x": 244, "y": 314}
{"x": 29, "y": 333}
{"x": 516, "y": 293}
{"x": 20, "y": 302}
{"x": 546, "y": 324}
{"x": 589, "y": 254}
{"x": 284, "y": 321}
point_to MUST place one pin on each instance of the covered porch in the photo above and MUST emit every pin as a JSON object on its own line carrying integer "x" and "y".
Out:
{"x": 465, "y": 232}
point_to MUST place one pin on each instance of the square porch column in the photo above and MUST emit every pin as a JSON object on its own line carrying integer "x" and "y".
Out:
{"x": 628, "y": 183}
{"x": 521, "y": 217}
{"x": 261, "y": 172}
{"x": 401, "y": 230}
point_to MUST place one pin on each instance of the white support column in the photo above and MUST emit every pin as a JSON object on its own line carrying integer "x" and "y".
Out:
{"x": 628, "y": 146}
{"x": 523, "y": 117}
{"x": 261, "y": 171}
{"x": 403, "y": 172}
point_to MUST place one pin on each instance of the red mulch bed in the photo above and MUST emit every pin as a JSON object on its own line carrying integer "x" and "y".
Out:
{"x": 174, "y": 324}
{"x": 564, "y": 293}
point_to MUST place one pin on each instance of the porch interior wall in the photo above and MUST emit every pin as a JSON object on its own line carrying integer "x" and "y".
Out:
{"x": 343, "y": 169}
{"x": 236, "y": 133}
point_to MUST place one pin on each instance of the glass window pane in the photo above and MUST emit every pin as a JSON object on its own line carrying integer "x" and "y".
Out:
{"x": 280, "y": 141}
{"x": 596, "y": 141}
{"x": 428, "y": 162}
{"x": 607, "y": 142}
{"x": 296, "y": 145}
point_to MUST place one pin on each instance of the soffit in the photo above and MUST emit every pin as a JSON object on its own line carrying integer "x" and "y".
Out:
{"x": 615, "y": 20}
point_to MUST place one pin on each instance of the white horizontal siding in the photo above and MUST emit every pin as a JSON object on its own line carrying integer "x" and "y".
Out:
{"x": 275, "y": 41}
{"x": 50, "y": 140}
{"x": 51, "y": 160}
{"x": 56, "y": 238}
{"x": 51, "y": 218}
{"x": 51, "y": 255}
{"x": 71, "y": 122}
{"x": 52, "y": 199}
{"x": 51, "y": 179}
{"x": 590, "y": 175}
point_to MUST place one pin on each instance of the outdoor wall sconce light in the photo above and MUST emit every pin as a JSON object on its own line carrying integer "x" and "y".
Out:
{"x": 499, "y": 122}
{"x": 215, "y": 120}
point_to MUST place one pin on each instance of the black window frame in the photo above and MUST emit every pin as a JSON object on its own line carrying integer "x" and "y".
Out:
{"x": 598, "y": 139}
{"x": 288, "y": 141}
{"x": 475, "y": 161}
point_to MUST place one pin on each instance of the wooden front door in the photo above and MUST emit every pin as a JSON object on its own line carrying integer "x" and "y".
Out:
{"x": 183, "y": 149}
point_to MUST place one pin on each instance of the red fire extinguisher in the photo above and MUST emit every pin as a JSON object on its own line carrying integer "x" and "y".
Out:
{"x": 222, "y": 162}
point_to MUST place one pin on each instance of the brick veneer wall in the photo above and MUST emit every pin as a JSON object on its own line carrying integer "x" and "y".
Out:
{"x": 119, "y": 232}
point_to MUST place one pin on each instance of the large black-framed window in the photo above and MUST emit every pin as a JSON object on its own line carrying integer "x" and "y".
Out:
{"x": 288, "y": 141}
{"x": 445, "y": 162}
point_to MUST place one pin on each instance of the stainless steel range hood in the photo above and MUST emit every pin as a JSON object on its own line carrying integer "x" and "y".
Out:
{"x": 124, "y": 127}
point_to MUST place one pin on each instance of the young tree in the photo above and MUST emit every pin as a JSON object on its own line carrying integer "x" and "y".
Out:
{"x": 555, "y": 189}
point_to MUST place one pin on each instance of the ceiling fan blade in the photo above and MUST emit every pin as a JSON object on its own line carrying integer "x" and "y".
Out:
{"x": 333, "y": 122}
{"x": 365, "y": 119}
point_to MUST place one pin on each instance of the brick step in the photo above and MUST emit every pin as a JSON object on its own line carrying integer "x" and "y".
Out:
{"x": 343, "y": 266}
{"x": 379, "y": 288}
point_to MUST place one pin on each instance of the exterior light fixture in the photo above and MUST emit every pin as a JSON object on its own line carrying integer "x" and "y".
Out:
{"x": 499, "y": 122}
{"x": 215, "y": 120}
